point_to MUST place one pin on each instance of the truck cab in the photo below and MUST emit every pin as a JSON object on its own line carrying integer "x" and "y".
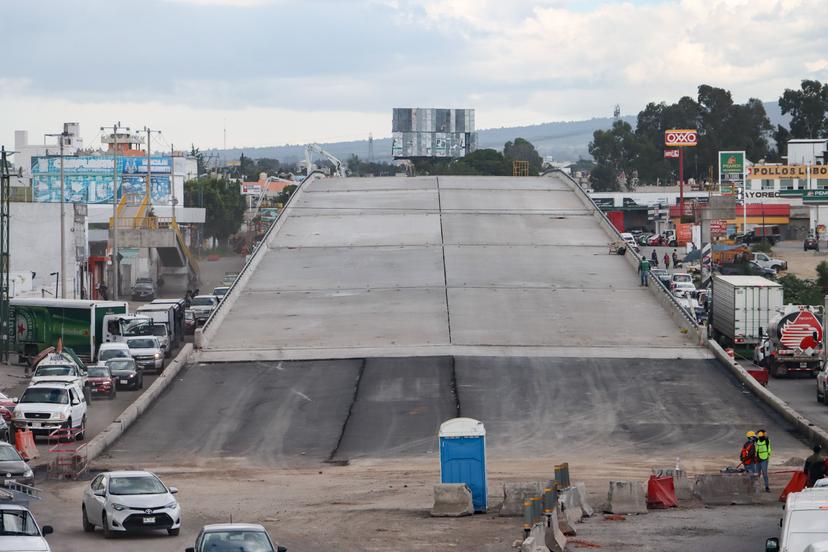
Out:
{"x": 805, "y": 522}
{"x": 117, "y": 328}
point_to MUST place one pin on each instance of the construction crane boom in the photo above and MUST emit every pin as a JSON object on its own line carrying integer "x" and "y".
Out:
{"x": 339, "y": 166}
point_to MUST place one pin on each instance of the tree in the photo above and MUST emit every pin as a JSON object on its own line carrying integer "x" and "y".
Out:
{"x": 223, "y": 204}
{"x": 808, "y": 107}
{"x": 523, "y": 150}
{"x": 483, "y": 162}
{"x": 199, "y": 157}
{"x": 248, "y": 169}
{"x": 615, "y": 154}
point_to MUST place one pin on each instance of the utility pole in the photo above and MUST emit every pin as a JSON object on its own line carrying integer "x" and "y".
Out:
{"x": 5, "y": 183}
{"x": 149, "y": 162}
{"x": 115, "y": 264}
{"x": 60, "y": 138}
{"x": 172, "y": 179}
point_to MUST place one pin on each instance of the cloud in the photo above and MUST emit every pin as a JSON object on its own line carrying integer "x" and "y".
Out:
{"x": 516, "y": 62}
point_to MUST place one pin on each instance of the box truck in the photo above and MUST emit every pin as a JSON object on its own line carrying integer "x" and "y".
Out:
{"x": 743, "y": 308}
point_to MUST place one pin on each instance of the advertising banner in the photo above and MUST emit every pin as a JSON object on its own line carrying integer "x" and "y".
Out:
{"x": 89, "y": 179}
{"x": 772, "y": 172}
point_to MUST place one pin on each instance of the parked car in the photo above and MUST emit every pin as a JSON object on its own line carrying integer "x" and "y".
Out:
{"x": 147, "y": 353}
{"x": 130, "y": 501}
{"x": 46, "y": 406}
{"x": 234, "y": 536}
{"x": 102, "y": 382}
{"x": 126, "y": 373}
{"x": 749, "y": 268}
{"x": 644, "y": 238}
{"x": 680, "y": 289}
{"x": 202, "y": 307}
{"x": 20, "y": 530}
{"x": 189, "y": 322}
{"x": 811, "y": 242}
{"x": 108, "y": 351}
{"x": 769, "y": 262}
{"x": 13, "y": 467}
{"x": 680, "y": 277}
{"x": 143, "y": 290}
{"x": 6, "y": 433}
{"x": 220, "y": 292}
{"x": 630, "y": 241}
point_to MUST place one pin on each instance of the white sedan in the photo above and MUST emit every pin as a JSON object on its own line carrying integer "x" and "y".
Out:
{"x": 126, "y": 501}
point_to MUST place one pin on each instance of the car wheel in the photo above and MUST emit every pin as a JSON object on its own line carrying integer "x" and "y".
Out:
{"x": 105, "y": 526}
{"x": 173, "y": 532}
{"x": 82, "y": 433}
{"x": 87, "y": 527}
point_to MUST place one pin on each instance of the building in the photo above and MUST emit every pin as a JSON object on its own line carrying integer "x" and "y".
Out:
{"x": 428, "y": 132}
{"x": 807, "y": 152}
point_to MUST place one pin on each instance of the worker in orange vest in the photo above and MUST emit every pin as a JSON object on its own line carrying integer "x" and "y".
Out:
{"x": 748, "y": 454}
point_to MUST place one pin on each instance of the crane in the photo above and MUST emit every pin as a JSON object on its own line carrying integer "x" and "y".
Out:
{"x": 339, "y": 166}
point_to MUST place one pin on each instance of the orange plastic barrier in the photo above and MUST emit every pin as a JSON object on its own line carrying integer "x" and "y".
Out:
{"x": 661, "y": 492}
{"x": 796, "y": 484}
{"x": 25, "y": 444}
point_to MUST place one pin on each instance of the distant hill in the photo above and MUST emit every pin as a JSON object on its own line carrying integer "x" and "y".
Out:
{"x": 563, "y": 141}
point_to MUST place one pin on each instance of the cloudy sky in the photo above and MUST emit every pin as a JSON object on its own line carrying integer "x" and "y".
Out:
{"x": 293, "y": 71}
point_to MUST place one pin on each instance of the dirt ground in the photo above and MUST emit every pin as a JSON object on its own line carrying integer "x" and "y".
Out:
{"x": 801, "y": 263}
{"x": 383, "y": 505}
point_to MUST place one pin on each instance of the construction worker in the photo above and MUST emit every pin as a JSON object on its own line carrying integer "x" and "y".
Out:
{"x": 763, "y": 453}
{"x": 814, "y": 466}
{"x": 748, "y": 454}
{"x": 644, "y": 270}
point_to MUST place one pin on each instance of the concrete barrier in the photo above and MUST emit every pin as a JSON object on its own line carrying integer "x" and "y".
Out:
{"x": 580, "y": 489}
{"x": 452, "y": 500}
{"x": 681, "y": 483}
{"x": 805, "y": 427}
{"x": 570, "y": 502}
{"x": 626, "y": 497}
{"x": 514, "y": 494}
{"x": 555, "y": 539}
{"x": 724, "y": 489}
{"x": 114, "y": 430}
{"x": 544, "y": 537}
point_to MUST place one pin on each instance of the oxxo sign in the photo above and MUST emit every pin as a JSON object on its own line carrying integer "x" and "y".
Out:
{"x": 681, "y": 138}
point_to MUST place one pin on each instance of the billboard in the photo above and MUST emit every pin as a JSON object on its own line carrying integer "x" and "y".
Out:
{"x": 680, "y": 138}
{"x": 732, "y": 171}
{"x": 88, "y": 179}
{"x": 772, "y": 172}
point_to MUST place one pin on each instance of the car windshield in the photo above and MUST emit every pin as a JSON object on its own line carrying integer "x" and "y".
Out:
{"x": 220, "y": 291}
{"x": 9, "y": 454}
{"x": 63, "y": 370}
{"x": 112, "y": 353}
{"x": 121, "y": 364}
{"x": 136, "y": 485}
{"x": 141, "y": 343}
{"x": 203, "y": 301}
{"x": 45, "y": 395}
{"x": 159, "y": 330}
{"x": 99, "y": 372}
{"x": 236, "y": 541}
{"x": 138, "y": 327}
{"x": 19, "y": 523}
{"x": 682, "y": 278}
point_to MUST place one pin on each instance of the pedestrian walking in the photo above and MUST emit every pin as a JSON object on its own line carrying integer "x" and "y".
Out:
{"x": 763, "y": 453}
{"x": 654, "y": 258}
{"x": 675, "y": 259}
{"x": 748, "y": 454}
{"x": 667, "y": 261}
{"x": 644, "y": 271}
{"x": 814, "y": 466}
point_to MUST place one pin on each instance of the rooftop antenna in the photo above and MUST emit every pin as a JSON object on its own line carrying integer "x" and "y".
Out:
{"x": 616, "y": 113}
{"x": 370, "y": 147}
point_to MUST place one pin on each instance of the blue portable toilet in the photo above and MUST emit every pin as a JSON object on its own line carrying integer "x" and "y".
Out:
{"x": 463, "y": 457}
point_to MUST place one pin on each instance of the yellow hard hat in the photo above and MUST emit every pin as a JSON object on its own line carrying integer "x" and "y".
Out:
{"x": 750, "y": 434}
{"x": 760, "y": 434}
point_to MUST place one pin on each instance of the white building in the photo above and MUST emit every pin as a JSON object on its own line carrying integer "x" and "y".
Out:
{"x": 24, "y": 151}
{"x": 808, "y": 152}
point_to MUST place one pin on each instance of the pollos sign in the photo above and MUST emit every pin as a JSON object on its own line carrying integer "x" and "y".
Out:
{"x": 681, "y": 138}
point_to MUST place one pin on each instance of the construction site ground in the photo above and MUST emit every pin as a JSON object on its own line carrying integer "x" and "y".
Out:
{"x": 384, "y": 505}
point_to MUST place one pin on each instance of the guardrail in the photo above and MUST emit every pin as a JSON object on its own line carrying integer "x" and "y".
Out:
{"x": 253, "y": 260}
{"x": 609, "y": 228}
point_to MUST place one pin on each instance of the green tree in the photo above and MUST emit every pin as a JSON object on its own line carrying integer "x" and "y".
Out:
{"x": 808, "y": 107}
{"x": 199, "y": 157}
{"x": 223, "y": 204}
{"x": 615, "y": 152}
{"x": 523, "y": 150}
{"x": 248, "y": 169}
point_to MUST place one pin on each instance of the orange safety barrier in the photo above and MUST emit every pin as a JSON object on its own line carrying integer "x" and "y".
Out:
{"x": 25, "y": 444}
{"x": 661, "y": 492}
{"x": 795, "y": 485}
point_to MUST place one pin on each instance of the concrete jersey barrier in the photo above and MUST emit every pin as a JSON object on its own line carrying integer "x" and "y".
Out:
{"x": 452, "y": 500}
{"x": 109, "y": 435}
{"x": 626, "y": 497}
{"x": 724, "y": 489}
{"x": 514, "y": 494}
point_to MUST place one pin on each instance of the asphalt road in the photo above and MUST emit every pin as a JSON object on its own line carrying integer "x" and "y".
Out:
{"x": 292, "y": 413}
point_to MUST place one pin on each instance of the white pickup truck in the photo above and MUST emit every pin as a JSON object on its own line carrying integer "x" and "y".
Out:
{"x": 768, "y": 262}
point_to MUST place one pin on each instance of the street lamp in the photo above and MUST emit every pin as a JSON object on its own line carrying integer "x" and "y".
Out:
{"x": 56, "y": 275}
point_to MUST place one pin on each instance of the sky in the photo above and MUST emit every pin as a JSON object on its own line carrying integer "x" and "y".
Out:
{"x": 273, "y": 72}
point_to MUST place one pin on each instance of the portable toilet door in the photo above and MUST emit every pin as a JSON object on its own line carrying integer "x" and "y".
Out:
{"x": 463, "y": 457}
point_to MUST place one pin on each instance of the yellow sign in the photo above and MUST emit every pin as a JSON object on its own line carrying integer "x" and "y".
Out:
{"x": 772, "y": 172}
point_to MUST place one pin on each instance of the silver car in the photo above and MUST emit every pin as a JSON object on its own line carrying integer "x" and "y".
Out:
{"x": 129, "y": 501}
{"x": 243, "y": 537}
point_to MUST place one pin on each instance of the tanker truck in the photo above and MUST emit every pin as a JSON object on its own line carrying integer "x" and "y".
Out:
{"x": 792, "y": 342}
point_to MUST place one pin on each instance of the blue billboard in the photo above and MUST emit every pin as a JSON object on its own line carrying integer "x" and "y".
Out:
{"x": 89, "y": 179}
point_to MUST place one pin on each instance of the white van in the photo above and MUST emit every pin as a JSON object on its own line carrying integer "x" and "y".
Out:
{"x": 805, "y": 525}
